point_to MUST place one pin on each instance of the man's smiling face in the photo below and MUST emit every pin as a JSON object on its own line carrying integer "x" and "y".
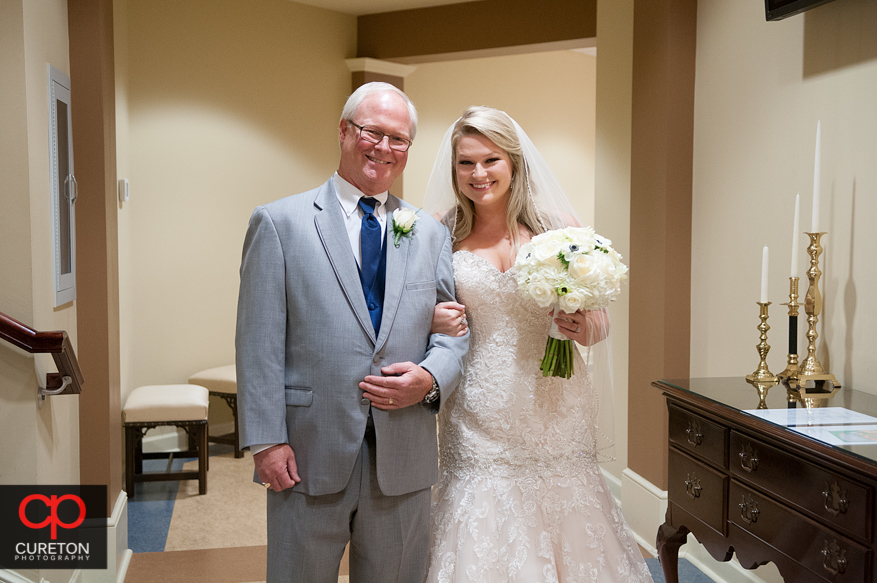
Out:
{"x": 372, "y": 168}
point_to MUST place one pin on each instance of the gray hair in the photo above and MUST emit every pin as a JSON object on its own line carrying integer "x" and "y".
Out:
{"x": 356, "y": 98}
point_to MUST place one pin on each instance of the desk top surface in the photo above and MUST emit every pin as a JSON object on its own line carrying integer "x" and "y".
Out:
{"x": 848, "y": 421}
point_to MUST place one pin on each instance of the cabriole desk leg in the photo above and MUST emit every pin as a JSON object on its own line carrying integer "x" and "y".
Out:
{"x": 668, "y": 542}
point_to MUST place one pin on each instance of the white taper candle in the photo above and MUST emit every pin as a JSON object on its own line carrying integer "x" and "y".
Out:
{"x": 814, "y": 228}
{"x": 764, "y": 275}
{"x": 795, "y": 227}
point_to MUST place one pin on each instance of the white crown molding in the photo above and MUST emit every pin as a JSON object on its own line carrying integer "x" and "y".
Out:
{"x": 369, "y": 65}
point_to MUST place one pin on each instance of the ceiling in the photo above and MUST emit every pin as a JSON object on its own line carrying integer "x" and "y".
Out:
{"x": 360, "y": 7}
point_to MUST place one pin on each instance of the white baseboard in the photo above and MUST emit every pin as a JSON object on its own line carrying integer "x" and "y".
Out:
{"x": 644, "y": 507}
{"x": 614, "y": 485}
{"x": 118, "y": 553}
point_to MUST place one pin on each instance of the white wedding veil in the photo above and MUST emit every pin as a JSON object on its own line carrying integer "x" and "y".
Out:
{"x": 545, "y": 196}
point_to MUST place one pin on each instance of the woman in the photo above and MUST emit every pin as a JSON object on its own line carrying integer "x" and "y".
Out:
{"x": 521, "y": 497}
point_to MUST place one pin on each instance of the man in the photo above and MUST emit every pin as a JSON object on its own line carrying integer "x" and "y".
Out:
{"x": 339, "y": 378}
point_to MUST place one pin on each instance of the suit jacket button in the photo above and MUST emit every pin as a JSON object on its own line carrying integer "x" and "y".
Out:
{"x": 365, "y": 401}
{"x": 376, "y": 359}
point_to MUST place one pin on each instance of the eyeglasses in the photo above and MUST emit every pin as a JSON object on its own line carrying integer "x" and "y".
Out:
{"x": 375, "y": 136}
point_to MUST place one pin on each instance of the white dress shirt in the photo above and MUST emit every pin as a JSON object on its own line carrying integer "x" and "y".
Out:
{"x": 348, "y": 196}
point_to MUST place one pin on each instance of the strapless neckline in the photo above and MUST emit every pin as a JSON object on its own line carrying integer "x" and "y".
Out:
{"x": 487, "y": 261}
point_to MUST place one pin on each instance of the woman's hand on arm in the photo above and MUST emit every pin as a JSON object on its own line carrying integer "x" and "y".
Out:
{"x": 449, "y": 318}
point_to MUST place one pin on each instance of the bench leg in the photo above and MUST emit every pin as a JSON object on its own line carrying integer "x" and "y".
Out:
{"x": 237, "y": 435}
{"x": 203, "y": 458}
{"x": 129, "y": 461}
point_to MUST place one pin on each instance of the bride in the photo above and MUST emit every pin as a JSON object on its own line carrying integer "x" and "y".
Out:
{"x": 520, "y": 497}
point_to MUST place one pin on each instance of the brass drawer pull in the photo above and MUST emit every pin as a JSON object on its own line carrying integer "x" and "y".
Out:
{"x": 834, "y": 558}
{"x": 835, "y": 499}
{"x": 693, "y": 487}
{"x": 748, "y": 510}
{"x": 749, "y": 458}
{"x": 694, "y": 434}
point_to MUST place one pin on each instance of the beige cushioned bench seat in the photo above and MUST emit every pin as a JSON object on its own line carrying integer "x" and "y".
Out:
{"x": 147, "y": 407}
{"x": 166, "y": 403}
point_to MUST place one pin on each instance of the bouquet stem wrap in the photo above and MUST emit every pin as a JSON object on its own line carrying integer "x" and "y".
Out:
{"x": 559, "y": 352}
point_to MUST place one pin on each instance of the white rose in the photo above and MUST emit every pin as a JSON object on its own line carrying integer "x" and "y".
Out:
{"x": 404, "y": 218}
{"x": 582, "y": 268}
{"x": 542, "y": 293}
{"x": 547, "y": 251}
{"x": 572, "y": 302}
{"x": 555, "y": 235}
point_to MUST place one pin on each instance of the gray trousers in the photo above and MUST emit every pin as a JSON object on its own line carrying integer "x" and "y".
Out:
{"x": 388, "y": 535}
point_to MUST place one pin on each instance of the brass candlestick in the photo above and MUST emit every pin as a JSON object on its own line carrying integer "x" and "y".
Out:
{"x": 791, "y": 372}
{"x": 762, "y": 373}
{"x": 825, "y": 383}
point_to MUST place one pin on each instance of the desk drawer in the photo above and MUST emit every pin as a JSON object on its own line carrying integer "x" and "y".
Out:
{"x": 819, "y": 493}
{"x": 822, "y": 551}
{"x": 699, "y": 436}
{"x": 698, "y": 489}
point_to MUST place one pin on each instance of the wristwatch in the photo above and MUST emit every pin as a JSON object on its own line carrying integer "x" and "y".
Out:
{"x": 433, "y": 394}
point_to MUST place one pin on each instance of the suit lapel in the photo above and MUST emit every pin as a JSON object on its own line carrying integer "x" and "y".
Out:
{"x": 397, "y": 266}
{"x": 330, "y": 227}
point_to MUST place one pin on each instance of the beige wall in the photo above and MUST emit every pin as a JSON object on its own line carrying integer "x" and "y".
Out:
{"x": 123, "y": 171}
{"x": 551, "y": 95}
{"x": 17, "y": 375}
{"x": 230, "y": 105}
{"x": 41, "y": 445}
{"x": 756, "y": 106}
{"x": 33, "y": 35}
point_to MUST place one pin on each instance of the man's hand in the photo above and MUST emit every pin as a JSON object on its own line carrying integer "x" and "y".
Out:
{"x": 403, "y": 385}
{"x": 276, "y": 466}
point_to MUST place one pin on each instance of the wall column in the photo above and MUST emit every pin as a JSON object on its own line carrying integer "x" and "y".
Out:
{"x": 662, "y": 134}
{"x": 94, "y": 145}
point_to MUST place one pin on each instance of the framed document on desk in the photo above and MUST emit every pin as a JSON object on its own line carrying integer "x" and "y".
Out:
{"x": 785, "y": 484}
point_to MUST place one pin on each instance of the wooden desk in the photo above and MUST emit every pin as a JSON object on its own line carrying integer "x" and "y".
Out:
{"x": 745, "y": 485}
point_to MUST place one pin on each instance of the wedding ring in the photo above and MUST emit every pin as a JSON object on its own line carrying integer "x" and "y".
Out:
{"x": 391, "y": 401}
{"x": 266, "y": 484}
{"x": 578, "y": 329}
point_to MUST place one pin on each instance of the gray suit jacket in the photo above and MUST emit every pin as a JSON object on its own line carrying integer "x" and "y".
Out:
{"x": 305, "y": 340}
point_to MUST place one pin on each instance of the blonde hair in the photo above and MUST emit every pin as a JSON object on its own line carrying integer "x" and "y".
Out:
{"x": 496, "y": 126}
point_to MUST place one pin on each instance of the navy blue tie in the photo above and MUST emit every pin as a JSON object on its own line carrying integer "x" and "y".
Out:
{"x": 369, "y": 243}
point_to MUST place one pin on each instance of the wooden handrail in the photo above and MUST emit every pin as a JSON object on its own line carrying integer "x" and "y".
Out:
{"x": 56, "y": 343}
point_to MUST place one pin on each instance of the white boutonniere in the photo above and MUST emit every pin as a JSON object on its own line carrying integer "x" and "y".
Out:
{"x": 403, "y": 224}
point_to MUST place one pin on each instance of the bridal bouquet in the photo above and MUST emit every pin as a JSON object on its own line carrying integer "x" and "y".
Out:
{"x": 571, "y": 269}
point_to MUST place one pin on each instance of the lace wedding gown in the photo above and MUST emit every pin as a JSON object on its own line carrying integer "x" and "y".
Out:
{"x": 520, "y": 497}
